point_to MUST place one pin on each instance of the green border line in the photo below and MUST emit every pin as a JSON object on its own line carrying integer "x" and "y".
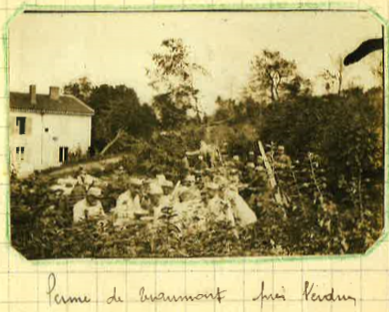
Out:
{"x": 245, "y": 7}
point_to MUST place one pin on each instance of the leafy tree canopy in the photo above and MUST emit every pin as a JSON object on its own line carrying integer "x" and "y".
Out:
{"x": 117, "y": 108}
{"x": 80, "y": 88}
{"x": 173, "y": 80}
{"x": 274, "y": 78}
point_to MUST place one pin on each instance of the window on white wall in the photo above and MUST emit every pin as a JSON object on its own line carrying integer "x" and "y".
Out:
{"x": 20, "y": 153}
{"x": 21, "y": 123}
{"x": 63, "y": 154}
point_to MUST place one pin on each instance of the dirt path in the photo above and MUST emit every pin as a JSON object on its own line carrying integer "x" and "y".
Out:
{"x": 93, "y": 164}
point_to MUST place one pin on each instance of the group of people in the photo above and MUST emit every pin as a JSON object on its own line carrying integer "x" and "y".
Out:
{"x": 189, "y": 204}
{"x": 260, "y": 174}
{"x": 207, "y": 193}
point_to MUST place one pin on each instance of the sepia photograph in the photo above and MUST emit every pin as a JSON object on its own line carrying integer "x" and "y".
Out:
{"x": 196, "y": 134}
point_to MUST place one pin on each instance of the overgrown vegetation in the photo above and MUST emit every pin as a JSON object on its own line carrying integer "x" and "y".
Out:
{"x": 332, "y": 188}
{"x": 310, "y": 223}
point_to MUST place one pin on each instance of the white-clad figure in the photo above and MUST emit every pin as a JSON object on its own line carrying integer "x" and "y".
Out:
{"x": 189, "y": 187}
{"x": 87, "y": 180}
{"x": 136, "y": 186}
{"x": 124, "y": 198}
{"x": 65, "y": 184}
{"x": 167, "y": 197}
{"x": 159, "y": 201}
{"x": 124, "y": 209}
{"x": 239, "y": 206}
{"x": 217, "y": 207}
{"x": 191, "y": 211}
{"x": 89, "y": 207}
{"x": 167, "y": 187}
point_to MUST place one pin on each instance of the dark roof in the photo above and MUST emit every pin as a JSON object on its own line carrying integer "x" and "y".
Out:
{"x": 66, "y": 104}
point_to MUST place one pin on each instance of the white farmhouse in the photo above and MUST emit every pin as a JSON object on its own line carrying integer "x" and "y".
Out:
{"x": 46, "y": 128}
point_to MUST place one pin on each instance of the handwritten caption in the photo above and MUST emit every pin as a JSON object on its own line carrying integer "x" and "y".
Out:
{"x": 309, "y": 293}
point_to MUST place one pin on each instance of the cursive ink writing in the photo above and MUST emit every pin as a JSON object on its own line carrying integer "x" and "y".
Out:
{"x": 263, "y": 297}
{"x": 308, "y": 294}
{"x": 60, "y": 299}
{"x": 113, "y": 298}
{"x": 173, "y": 298}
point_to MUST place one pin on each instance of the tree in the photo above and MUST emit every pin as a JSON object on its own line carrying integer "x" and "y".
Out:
{"x": 118, "y": 115}
{"x": 173, "y": 80}
{"x": 170, "y": 115}
{"x": 81, "y": 88}
{"x": 253, "y": 109}
{"x": 274, "y": 78}
{"x": 298, "y": 86}
{"x": 343, "y": 130}
{"x": 225, "y": 109}
{"x": 228, "y": 110}
{"x": 118, "y": 111}
{"x": 378, "y": 72}
{"x": 334, "y": 79}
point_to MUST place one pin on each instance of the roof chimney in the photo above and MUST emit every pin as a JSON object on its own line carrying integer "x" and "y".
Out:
{"x": 54, "y": 93}
{"x": 33, "y": 94}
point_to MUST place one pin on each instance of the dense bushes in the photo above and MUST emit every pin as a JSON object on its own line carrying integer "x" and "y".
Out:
{"x": 163, "y": 154}
{"x": 311, "y": 223}
{"x": 333, "y": 187}
{"x": 346, "y": 132}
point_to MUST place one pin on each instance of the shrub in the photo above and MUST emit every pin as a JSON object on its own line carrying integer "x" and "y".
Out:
{"x": 310, "y": 224}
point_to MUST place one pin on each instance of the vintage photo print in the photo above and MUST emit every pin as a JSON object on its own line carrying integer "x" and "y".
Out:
{"x": 196, "y": 134}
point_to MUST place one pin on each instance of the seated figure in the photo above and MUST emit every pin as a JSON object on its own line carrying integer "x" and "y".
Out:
{"x": 124, "y": 209}
{"x": 241, "y": 210}
{"x": 89, "y": 207}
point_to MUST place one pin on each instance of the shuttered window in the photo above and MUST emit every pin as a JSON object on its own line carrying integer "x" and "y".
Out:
{"x": 21, "y": 123}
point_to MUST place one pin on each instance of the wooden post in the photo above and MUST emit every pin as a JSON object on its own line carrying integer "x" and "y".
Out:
{"x": 268, "y": 167}
{"x": 270, "y": 173}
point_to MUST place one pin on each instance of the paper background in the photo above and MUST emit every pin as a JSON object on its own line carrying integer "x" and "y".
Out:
{"x": 23, "y": 284}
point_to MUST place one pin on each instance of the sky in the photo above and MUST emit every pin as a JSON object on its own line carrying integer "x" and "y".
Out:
{"x": 116, "y": 48}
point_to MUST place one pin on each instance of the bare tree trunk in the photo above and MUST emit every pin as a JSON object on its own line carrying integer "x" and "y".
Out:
{"x": 340, "y": 82}
{"x": 276, "y": 92}
{"x": 109, "y": 145}
{"x": 198, "y": 113}
{"x": 274, "y": 96}
{"x": 276, "y": 80}
{"x": 340, "y": 73}
{"x": 272, "y": 86}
